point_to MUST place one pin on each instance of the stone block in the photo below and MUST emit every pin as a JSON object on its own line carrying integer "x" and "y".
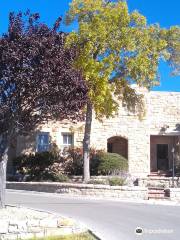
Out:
{"x": 3, "y": 227}
{"x": 34, "y": 229}
{"x": 48, "y": 222}
{"x": 26, "y": 236}
{"x": 13, "y": 228}
{"x": 9, "y": 237}
{"x": 22, "y": 226}
{"x": 33, "y": 223}
{"x": 40, "y": 234}
{"x": 65, "y": 222}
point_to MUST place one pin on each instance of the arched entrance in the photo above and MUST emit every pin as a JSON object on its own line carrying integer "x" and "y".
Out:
{"x": 118, "y": 145}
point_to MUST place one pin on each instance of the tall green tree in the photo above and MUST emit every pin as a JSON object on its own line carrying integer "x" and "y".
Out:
{"x": 116, "y": 48}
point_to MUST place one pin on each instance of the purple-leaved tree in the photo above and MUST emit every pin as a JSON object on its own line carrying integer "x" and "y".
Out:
{"x": 37, "y": 81}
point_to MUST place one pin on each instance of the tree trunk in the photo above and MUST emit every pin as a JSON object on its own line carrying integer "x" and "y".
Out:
{"x": 3, "y": 166}
{"x": 86, "y": 143}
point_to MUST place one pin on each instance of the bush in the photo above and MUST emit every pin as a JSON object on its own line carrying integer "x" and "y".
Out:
{"x": 72, "y": 161}
{"x": 101, "y": 163}
{"x": 35, "y": 161}
{"x": 109, "y": 164}
{"x": 61, "y": 178}
{"x": 45, "y": 166}
{"x": 115, "y": 181}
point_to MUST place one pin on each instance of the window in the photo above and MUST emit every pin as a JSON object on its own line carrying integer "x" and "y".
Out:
{"x": 67, "y": 139}
{"x": 42, "y": 142}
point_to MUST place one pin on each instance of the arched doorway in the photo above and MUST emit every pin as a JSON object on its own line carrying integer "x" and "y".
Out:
{"x": 118, "y": 145}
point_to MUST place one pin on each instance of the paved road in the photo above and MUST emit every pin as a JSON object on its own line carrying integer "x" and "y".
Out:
{"x": 110, "y": 220}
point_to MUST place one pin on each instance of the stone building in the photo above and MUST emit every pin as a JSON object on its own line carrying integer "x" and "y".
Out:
{"x": 149, "y": 144}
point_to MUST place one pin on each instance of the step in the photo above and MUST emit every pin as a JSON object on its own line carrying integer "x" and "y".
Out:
{"x": 160, "y": 174}
{"x": 162, "y": 198}
{"x": 156, "y": 193}
{"x": 158, "y": 198}
{"x": 155, "y": 189}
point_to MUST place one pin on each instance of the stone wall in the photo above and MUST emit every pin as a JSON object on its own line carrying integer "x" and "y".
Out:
{"x": 101, "y": 191}
{"x": 22, "y": 223}
{"x": 175, "y": 194}
{"x": 162, "y": 109}
{"x": 164, "y": 182}
{"x": 27, "y": 144}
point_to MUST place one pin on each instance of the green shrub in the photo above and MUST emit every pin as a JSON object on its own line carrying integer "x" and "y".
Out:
{"x": 101, "y": 163}
{"x": 45, "y": 166}
{"x": 72, "y": 160}
{"x": 42, "y": 175}
{"x": 61, "y": 178}
{"x": 109, "y": 163}
{"x": 115, "y": 181}
{"x": 34, "y": 162}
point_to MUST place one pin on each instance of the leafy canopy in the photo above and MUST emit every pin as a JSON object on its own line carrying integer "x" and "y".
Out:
{"x": 37, "y": 79}
{"x": 116, "y": 49}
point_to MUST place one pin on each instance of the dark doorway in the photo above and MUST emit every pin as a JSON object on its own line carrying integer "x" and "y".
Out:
{"x": 162, "y": 157}
{"x": 110, "y": 147}
{"x": 118, "y": 145}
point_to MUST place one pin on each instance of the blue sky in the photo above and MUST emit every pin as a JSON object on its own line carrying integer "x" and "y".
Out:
{"x": 164, "y": 12}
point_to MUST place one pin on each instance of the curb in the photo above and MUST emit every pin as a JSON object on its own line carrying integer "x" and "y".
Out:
{"x": 136, "y": 201}
{"x": 94, "y": 235}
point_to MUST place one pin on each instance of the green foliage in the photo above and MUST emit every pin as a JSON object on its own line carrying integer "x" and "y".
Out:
{"x": 116, "y": 181}
{"x": 72, "y": 160}
{"x": 48, "y": 166}
{"x": 101, "y": 163}
{"x": 61, "y": 178}
{"x": 33, "y": 163}
{"x": 40, "y": 167}
{"x": 110, "y": 163}
{"x": 117, "y": 48}
{"x": 173, "y": 45}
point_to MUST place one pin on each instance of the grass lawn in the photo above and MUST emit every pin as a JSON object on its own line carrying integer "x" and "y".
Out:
{"x": 84, "y": 236}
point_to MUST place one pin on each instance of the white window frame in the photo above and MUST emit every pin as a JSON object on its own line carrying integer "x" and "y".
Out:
{"x": 67, "y": 145}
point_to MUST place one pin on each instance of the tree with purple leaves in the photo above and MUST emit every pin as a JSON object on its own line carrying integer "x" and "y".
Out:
{"x": 37, "y": 81}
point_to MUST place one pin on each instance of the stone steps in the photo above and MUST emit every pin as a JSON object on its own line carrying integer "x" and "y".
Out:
{"x": 160, "y": 174}
{"x": 156, "y": 193}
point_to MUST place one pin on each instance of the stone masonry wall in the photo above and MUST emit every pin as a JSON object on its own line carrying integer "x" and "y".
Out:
{"x": 175, "y": 194}
{"x": 22, "y": 223}
{"x": 162, "y": 108}
{"x": 105, "y": 191}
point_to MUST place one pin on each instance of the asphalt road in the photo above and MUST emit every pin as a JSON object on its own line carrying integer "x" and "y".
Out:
{"x": 110, "y": 220}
